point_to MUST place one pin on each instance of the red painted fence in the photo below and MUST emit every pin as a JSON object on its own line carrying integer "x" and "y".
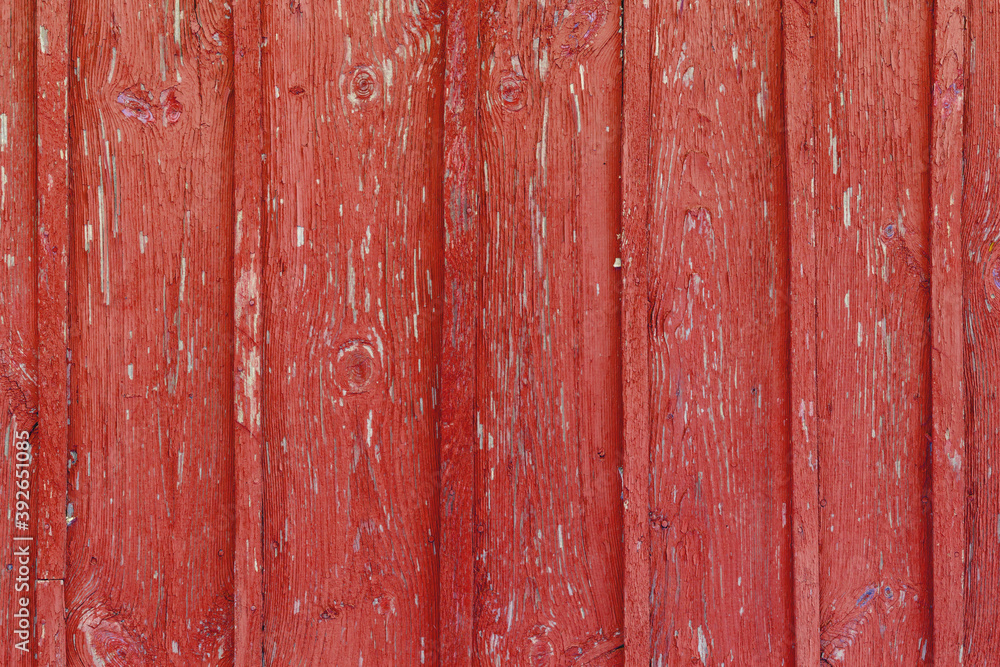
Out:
{"x": 555, "y": 332}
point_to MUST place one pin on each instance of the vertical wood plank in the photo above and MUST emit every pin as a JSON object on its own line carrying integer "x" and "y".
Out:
{"x": 872, "y": 95}
{"x": 980, "y": 256}
{"x": 949, "y": 461}
{"x": 52, "y": 80}
{"x": 52, "y": 251}
{"x": 353, "y": 282}
{"x": 462, "y": 310}
{"x": 718, "y": 252}
{"x": 18, "y": 395}
{"x": 150, "y": 577}
{"x": 248, "y": 308}
{"x": 548, "y": 506}
{"x": 801, "y": 151}
{"x": 636, "y": 310}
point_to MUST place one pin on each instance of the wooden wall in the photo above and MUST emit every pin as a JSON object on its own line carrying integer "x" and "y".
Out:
{"x": 555, "y": 332}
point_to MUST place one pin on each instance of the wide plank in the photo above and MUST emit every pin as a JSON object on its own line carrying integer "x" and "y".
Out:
{"x": 352, "y": 287}
{"x": 150, "y": 575}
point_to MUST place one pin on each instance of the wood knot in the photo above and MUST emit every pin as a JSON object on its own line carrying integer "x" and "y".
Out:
{"x": 171, "y": 106}
{"x": 357, "y": 366}
{"x": 576, "y": 29}
{"x": 511, "y": 91}
{"x": 364, "y": 85}
{"x": 137, "y": 103}
{"x": 104, "y": 635}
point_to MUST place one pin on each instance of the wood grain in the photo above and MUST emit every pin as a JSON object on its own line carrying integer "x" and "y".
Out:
{"x": 50, "y": 624}
{"x": 150, "y": 577}
{"x": 52, "y": 230}
{"x": 949, "y": 461}
{"x": 248, "y": 307}
{"x": 801, "y": 149}
{"x": 462, "y": 309}
{"x": 980, "y": 271}
{"x": 872, "y": 127}
{"x": 18, "y": 391}
{"x": 635, "y": 322}
{"x": 548, "y": 513}
{"x": 353, "y": 281}
{"x": 718, "y": 254}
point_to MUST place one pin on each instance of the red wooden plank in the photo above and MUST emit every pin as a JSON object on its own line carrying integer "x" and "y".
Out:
{"x": 150, "y": 575}
{"x": 50, "y": 625}
{"x": 799, "y": 21}
{"x": 17, "y": 320}
{"x": 548, "y": 504}
{"x": 636, "y": 308}
{"x": 872, "y": 127}
{"x": 248, "y": 180}
{"x": 462, "y": 309}
{"x": 51, "y": 72}
{"x": 354, "y": 118}
{"x": 947, "y": 357}
{"x": 719, "y": 533}
{"x": 980, "y": 257}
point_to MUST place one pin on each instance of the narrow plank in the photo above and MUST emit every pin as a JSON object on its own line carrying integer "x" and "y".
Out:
{"x": 50, "y": 627}
{"x": 636, "y": 309}
{"x": 18, "y": 393}
{"x": 353, "y": 279}
{"x": 800, "y": 147}
{"x": 151, "y": 546}
{"x": 248, "y": 181}
{"x": 980, "y": 257}
{"x": 549, "y": 566}
{"x": 721, "y": 589}
{"x": 462, "y": 309}
{"x": 871, "y": 86}
{"x": 52, "y": 80}
{"x": 949, "y": 460}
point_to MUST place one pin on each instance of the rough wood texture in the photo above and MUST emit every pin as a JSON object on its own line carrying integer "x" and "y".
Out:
{"x": 325, "y": 305}
{"x": 353, "y": 278}
{"x": 52, "y": 229}
{"x": 949, "y": 461}
{"x": 872, "y": 96}
{"x": 636, "y": 316}
{"x": 248, "y": 306}
{"x": 718, "y": 513}
{"x": 462, "y": 309}
{"x": 17, "y": 308}
{"x": 50, "y": 625}
{"x": 980, "y": 257}
{"x": 549, "y": 562}
{"x": 800, "y": 146}
{"x": 151, "y": 481}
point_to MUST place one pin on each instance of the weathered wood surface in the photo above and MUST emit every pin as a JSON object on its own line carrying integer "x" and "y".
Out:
{"x": 150, "y": 577}
{"x": 248, "y": 330}
{"x": 980, "y": 262}
{"x": 871, "y": 123}
{"x": 371, "y": 358}
{"x": 719, "y": 542}
{"x": 800, "y": 154}
{"x": 949, "y": 463}
{"x": 18, "y": 393}
{"x": 547, "y": 508}
{"x": 352, "y": 286}
{"x": 462, "y": 308}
